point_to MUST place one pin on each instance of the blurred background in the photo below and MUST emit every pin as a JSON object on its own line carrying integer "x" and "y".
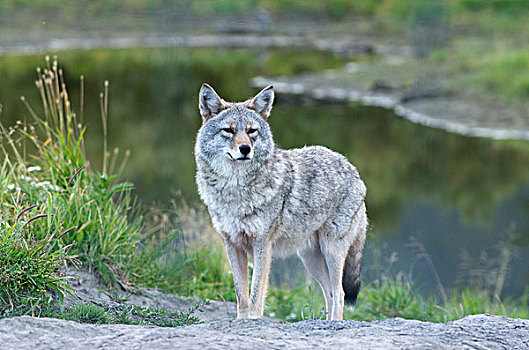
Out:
{"x": 448, "y": 204}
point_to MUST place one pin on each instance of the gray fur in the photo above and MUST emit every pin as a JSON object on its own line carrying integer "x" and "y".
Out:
{"x": 308, "y": 201}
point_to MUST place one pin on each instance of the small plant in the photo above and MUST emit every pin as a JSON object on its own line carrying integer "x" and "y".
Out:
{"x": 393, "y": 298}
{"x": 291, "y": 304}
{"x": 117, "y": 298}
{"x": 87, "y": 313}
{"x": 131, "y": 314}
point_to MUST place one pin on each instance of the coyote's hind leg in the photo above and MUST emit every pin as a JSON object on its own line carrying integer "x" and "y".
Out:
{"x": 315, "y": 264}
{"x": 334, "y": 252}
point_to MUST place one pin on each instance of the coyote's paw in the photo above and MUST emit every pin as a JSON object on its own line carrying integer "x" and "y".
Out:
{"x": 254, "y": 315}
{"x": 243, "y": 313}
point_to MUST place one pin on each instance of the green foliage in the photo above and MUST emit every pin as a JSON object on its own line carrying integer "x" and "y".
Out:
{"x": 223, "y": 6}
{"x": 512, "y": 7}
{"x": 301, "y": 303}
{"x": 87, "y": 313}
{"x": 500, "y": 71}
{"x": 397, "y": 298}
{"x": 57, "y": 209}
{"x": 202, "y": 271}
{"x": 29, "y": 264}
{"x": 129, "y": 314}
{"x": 392, "y": 297}
{"x": 132, "y": 314}
{"x": 470, "y": 301}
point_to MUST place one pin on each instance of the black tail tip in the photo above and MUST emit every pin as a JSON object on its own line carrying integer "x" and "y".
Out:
{"x": 351, "y": 293}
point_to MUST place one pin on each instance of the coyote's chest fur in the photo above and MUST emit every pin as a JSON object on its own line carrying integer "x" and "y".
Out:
{"x": 244, "y": 205}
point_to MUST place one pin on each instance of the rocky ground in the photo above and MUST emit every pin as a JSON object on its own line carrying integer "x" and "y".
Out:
{"x": 471, "y": 332}
{"x": 220, "y": 329}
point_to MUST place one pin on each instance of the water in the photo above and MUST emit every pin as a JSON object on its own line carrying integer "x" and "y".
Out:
{"x": 443, "y": 208}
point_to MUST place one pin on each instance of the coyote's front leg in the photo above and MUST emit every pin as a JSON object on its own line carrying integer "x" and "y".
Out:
{"x": 239, "y": 268}
{"x": 262, "y": 258}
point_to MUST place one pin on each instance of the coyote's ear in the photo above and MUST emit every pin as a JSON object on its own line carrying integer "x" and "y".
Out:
{"x": 209, "y": 102}
{"x": 262, "y": 102}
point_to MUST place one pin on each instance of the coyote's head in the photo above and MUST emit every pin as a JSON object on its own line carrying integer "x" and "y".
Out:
{"x": 234, "y": 134}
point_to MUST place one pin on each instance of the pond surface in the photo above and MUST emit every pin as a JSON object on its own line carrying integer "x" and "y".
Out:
{"x": 444, "y": 209}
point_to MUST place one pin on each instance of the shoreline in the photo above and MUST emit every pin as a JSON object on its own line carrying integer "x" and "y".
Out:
{"x": 456, "y": 113}
{"x": 408, "y": 111}
{"x": 229, "y": 41}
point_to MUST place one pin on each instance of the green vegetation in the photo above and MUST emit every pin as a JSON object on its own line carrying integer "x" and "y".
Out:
{"x": 386, "y": 298}
{"x": 29, "y": 264}
{"x": 197, "y": 271}
{"x": 129, "y": 314}
{"x": 47, "y": 165}
{"x": 57, "y": 210}
{"x": 502, "y": 70}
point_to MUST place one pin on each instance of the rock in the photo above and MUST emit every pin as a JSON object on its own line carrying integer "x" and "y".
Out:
{"x": 471, "y": 332}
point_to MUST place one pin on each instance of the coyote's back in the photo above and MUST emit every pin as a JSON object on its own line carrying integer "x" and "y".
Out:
{"x": 264, "y": 200}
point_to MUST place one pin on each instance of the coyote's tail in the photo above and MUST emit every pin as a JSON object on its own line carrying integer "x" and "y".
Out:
{"x": 351, "y": 277}
{"x": 353, "y": 261}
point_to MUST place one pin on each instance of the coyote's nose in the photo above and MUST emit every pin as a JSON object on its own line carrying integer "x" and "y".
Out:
{"x": 245, "y": 149}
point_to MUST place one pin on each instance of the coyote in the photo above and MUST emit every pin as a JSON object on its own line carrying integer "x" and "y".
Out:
{"x": 266, "y": 201}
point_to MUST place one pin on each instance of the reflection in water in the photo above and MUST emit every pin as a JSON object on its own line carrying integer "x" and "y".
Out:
{"x": 462, "y": 199}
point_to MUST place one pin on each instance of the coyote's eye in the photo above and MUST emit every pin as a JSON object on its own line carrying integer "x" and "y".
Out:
{"x": 252, "y": 131}
{"x": 227, "y": 130}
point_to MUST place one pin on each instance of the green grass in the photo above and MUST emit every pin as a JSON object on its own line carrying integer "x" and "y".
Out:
{"x": 501, "y": 70}
{"x": 393, "y": 297}
{"x": 201, "y": 272}
{"x": 98, "y": 208}
{"x": 129, "y": 314}
{"x": 28, "y": 265}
